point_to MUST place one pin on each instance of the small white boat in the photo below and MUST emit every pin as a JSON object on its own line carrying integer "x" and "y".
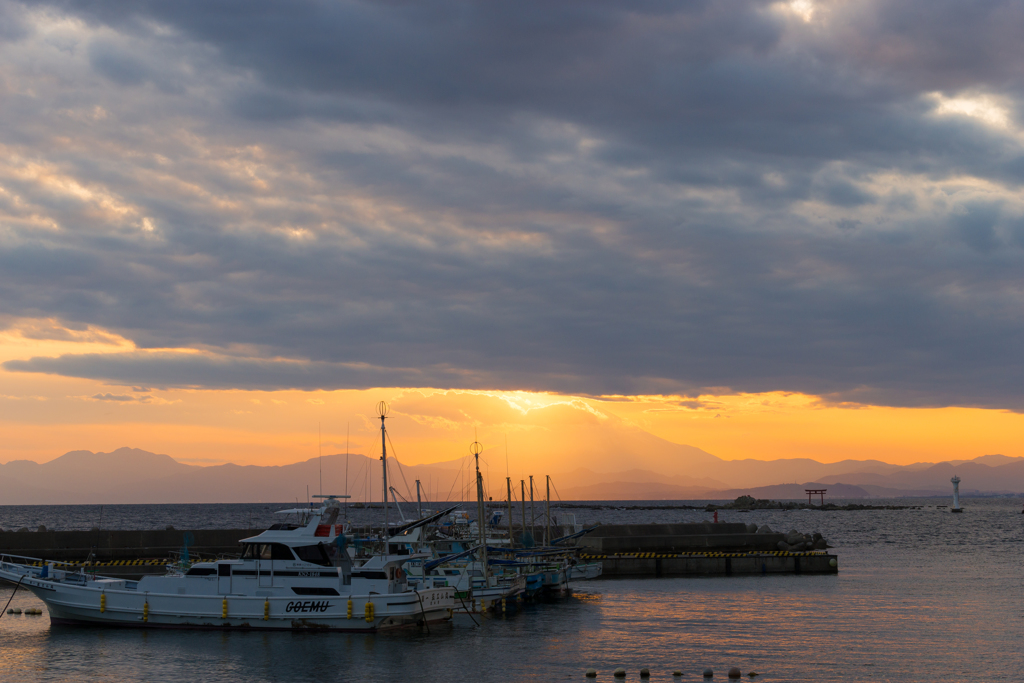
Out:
{"x": 585, "y": 570}
{"x": 292, "y": 576}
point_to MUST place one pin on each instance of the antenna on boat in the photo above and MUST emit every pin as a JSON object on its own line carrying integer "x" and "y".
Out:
{"x": 320, "y": 451}
{"x": 382, "y": 411}
{"x": 346, "y": 468}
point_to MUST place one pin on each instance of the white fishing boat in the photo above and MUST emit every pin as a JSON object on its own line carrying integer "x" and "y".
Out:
{"x": 292, "y": 576}
{"x": 583, "y": 571}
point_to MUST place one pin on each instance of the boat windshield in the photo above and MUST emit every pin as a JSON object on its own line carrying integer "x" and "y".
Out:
{"x": 314, "y": 554}
{"x": 267, "y": 551}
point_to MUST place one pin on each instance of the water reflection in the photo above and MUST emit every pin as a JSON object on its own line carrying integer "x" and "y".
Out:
{"x": 922, "y": 595}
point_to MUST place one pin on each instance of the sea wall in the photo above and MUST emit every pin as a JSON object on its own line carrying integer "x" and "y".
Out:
{"x": 120, "y": 545}
{"x": 677, "y": 538}
{"x": 715, "y": 564}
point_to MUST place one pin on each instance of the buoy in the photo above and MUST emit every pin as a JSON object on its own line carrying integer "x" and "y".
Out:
{"x": 368, "y": 612}
{"x": 224, "y": 609}
{"x": 17, "y": 610}
{"x": 832, "y": 563}
{"x": 10, "y": 610}
{"x": 645, "y": 672}
{"x": 103, "y": 603}
{"x": 677, "y": 672}
{"x": 735, "y": 672}
{"x": 266, "y": 610}
{"x": 620, "y": 673}
{"x": 591, "y": 673}
{"x": 348, "y": 612}
{"x": 753, "y": 673}
{"x": 708, "y": 673}
{"x": 145, "y": 611}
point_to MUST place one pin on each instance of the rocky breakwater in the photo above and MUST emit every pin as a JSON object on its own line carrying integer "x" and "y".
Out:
{"x": 729, "y": 537}
{"x": 795, "y": 541}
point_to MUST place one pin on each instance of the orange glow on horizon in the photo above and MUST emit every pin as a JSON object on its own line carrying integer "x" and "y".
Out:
{"x": 45, "y": 416}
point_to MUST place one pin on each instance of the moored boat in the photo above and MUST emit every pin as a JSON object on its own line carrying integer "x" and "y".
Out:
{"x": 292, "y": 577}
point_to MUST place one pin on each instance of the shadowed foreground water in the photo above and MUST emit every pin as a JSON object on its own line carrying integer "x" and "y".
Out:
{"x": 922, "y": 595}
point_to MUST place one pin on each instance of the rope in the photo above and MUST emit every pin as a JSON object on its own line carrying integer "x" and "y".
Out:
{"x": 12, "y": 595}
{"x": 466, "y": 608}
{"x": 422, "y": 611}
{"x": 455, "y": 481}
{"x": 557, "y": 494}
{"x": 395, "y": 458}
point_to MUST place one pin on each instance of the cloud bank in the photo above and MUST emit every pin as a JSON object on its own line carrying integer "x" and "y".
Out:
{"x": 596, "y": 198}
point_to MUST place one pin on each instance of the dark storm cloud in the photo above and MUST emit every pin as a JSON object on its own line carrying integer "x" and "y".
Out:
{"x": 579, "y": 197}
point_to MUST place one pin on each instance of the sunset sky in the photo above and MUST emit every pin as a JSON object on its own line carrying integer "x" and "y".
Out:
{"x": 764, "y": 229}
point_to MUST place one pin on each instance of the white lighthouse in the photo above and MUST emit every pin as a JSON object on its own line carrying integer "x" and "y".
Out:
{"x": 956, "y": 494}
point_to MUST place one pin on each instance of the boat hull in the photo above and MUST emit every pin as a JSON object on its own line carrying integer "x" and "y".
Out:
{"x": 87, "y": 605}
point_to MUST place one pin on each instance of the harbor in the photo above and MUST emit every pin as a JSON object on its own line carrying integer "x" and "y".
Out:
{"x": 689, "y": 623}
{"x": 441, "y": 565}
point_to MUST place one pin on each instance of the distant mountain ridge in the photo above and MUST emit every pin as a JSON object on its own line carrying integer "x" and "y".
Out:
{"x": 131, "y": 475}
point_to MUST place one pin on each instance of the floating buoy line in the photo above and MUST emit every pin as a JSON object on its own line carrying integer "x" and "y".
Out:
{"x": 645, "y": 673}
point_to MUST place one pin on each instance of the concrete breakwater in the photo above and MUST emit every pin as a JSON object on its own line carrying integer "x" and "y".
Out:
{"x": 715, "y": 564}
{"x": 705, "y": 549}
{"x": 699, "y": 537}
{"x": 109, "y": 546}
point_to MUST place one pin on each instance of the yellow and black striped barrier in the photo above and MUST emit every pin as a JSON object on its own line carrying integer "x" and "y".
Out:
{"x": 675, "y": 556}
{"x": 109, "y": 563}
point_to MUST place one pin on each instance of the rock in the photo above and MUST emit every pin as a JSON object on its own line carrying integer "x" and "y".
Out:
{"x": 820, "y": 544}
{"x": 22, "y": 529}
{"x": 765, "y": 529}
{"x": 751, "y": 528}
{"x": 794, "y": 537}
{"x": 799, "y": 547}
{"x": 169, "y": 527}
{"x": 816, "y": 536}
{"x": 782, "y": 545}
{"x": 95, "y": 528}
{"x": 42, "y": 527}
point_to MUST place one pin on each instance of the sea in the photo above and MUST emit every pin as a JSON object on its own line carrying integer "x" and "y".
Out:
{"x": 921, "y": 595}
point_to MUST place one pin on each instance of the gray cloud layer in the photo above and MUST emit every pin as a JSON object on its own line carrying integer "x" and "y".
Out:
{"x": 582, "y": 197}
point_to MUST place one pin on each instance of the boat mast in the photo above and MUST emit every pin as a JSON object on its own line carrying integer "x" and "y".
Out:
{"x": 475, "y": 448}
{"x": 547, "y": 526}
{"x": 522, "y": 498}
{"x": 419, "y": 500}
{"x": 382, "y": 410}
{"x": 533, "y": 515}
{"x": 508, "y": 482}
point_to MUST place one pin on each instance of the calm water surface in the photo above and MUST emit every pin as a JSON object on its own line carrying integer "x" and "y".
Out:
{"x": 922, "y": 595}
